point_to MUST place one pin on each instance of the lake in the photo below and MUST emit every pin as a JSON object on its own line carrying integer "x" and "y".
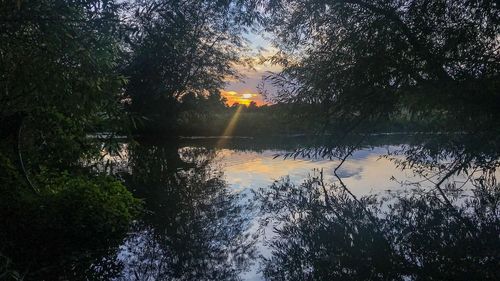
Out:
{"x": 249, "y": 209}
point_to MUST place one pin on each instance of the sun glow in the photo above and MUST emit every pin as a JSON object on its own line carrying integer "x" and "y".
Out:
{"x": 234, "y": 97}
{"x": 230, "y": 127}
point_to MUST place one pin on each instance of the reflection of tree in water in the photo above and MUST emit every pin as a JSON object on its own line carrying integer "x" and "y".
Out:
{"x": 195, "y": 227}
{"x": 323, "y": 232}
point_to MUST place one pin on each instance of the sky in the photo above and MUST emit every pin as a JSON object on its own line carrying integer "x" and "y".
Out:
{"x": 246, "y": 90}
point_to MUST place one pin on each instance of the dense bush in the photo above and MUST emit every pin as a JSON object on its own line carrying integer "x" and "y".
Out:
{"x": 72, "y": 222}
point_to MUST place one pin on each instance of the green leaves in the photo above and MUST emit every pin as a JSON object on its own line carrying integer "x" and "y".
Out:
{"x": 59, "y": 82}
{"x": 58, "y": 68}
{"x": 367, "y": 59}
{"x": 177, "y": 49}
{"x": 63, "y": 230}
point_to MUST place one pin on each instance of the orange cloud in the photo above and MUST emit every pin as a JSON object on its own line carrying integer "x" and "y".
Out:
{"x": 242, "y": 98}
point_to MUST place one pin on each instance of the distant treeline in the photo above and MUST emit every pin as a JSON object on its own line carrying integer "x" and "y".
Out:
{"x": 198, "y": 115}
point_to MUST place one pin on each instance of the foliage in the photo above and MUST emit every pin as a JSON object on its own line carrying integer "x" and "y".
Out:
{"x": 65, "y": 228}
{"x": 368, "y": 60}
{"x": 5, "y": 269}
{"x": 323, "y": 232}
{"x": 179, "y": 48}
{"x": 196, "y": 226}
{"x": 197, "y": 116}
{"x": 64, "y": 67}
{"x": 273, "y": 120}
{"x": 58, "y": 75}
{"x": 59, "y": 82}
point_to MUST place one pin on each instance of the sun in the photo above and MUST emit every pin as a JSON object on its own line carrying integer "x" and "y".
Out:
{"x": 245, "y": 98}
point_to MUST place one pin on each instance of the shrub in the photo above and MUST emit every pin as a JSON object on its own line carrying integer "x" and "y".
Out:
{"x": 73, "y": 222}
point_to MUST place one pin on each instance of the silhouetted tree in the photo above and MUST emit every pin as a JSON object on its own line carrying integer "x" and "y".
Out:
{"x": 364, "y": 60}
{"x": 181, "y": 47}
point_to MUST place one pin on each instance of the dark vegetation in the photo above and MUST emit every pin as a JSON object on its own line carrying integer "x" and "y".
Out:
{"x": 431, "y": 230}
{"x": 377, "y": 60}
{"x": 196, "y": 222}
{"x": 59, "y": 83}
{"x": 325, "y": 233}
{"x": 71, "y": 70}
{"x": 348, "y": 65}
{"x": 199, "y": 116}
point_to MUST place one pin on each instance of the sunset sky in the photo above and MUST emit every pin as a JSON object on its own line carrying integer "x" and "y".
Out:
{"x": 244, "y": 97}
{"x": 246, "y": 91}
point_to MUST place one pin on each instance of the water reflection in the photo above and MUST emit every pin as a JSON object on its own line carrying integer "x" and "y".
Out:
{"x": 323, "y": 233}
{"x": 195, "y": 227}
{"x": 323, "y": 213}
{"x": 445, "y": 230}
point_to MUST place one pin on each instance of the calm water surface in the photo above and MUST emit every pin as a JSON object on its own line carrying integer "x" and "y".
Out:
{"x": 204, "y": 219}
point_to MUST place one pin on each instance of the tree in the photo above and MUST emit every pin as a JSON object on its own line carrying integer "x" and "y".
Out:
{"x": 59, "y": 82}
{"x": 252, "y": 105}
{"x": 58, "y": 76}
{"x": 178, "y": 48}
{"x": 369, "y": 59}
